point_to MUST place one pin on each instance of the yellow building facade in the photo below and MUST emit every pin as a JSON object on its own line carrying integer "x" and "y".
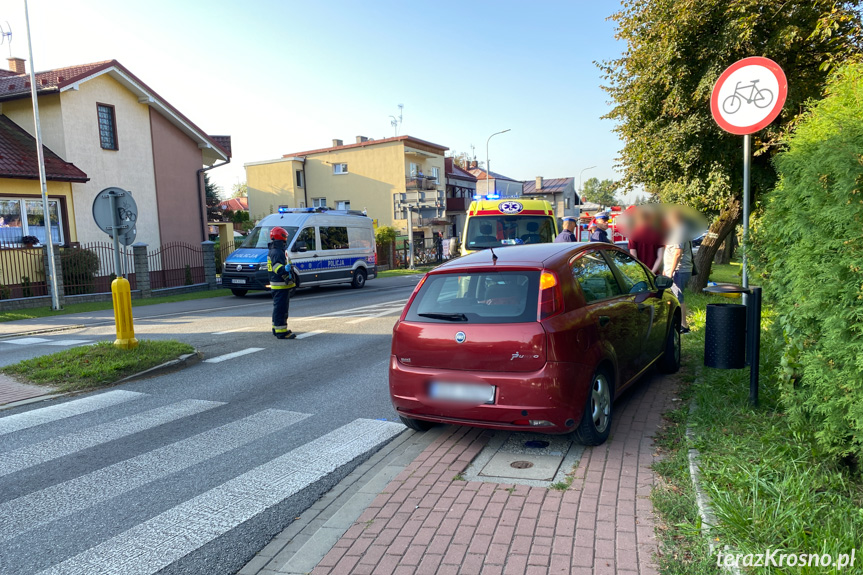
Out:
{"x": 379, "y": 177}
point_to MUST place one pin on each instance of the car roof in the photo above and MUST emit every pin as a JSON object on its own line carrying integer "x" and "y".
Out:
{"x": 537, "y": 255}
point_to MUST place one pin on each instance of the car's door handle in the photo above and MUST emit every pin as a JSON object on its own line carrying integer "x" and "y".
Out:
{"x": 603, "y": 320}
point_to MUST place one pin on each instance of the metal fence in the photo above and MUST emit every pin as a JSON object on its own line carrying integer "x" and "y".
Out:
{"x": 222, "y": 251}
{"x": 429, "y": 251}
{"x": 22, "y": 272}
{"x": 89, "y": 268}
{"x": 176, "y": 264}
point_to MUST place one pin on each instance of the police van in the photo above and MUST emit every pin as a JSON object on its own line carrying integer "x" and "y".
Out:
{"x": 493, "y": 223}
{"x": 325, "y": 247}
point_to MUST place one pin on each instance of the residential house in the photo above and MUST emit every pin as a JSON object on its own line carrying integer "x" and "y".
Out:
{"x": 560, "y": 192}
{"x": 102, "y": 127}
{"x": 460, "y": 190}
{"x": 495, "y": 183}
{"x": 379, "y": 177}
{"x": 235, "y": 205}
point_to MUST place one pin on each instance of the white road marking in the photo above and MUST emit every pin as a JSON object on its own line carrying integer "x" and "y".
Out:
{"x": 227, "y": 356}
{"x": 63, "y": 499}
{"x": 381, "y": 314}
{"x": 310, "y": 333}
{"x": 51, "y": 413}
{"x": 232, "y": 330}
{"x": 26, "y": 341}
{"x": 63, "y": 445}
{"x": 68, "y": 342}
{"x": 153, "y": 545}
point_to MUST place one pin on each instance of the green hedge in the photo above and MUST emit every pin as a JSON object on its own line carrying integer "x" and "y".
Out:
{"x": 808, "y": 247}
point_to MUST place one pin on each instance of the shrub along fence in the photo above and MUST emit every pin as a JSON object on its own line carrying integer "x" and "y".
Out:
{"x": 85, "y": 273}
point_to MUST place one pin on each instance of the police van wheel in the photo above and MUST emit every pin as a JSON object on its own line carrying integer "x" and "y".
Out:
{"x": 359, "y": 279}
{"x": 239, "y": 292}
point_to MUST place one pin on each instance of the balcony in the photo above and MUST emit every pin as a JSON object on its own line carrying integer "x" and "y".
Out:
{"x": 420, "y": 183}
{"x": 457, "y": 204}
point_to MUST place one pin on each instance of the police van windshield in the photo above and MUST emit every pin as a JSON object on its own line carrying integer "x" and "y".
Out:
{"x": 259, "y": 237}
{"x": 494, "y": 231}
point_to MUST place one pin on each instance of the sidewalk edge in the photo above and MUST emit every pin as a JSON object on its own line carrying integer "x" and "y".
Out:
{"x": 43, "y": 330}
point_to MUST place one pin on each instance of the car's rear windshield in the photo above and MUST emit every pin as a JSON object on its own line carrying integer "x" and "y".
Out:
{"x": 482, "y": 297}
{"x": 493, "y": 231}
{"x": 259, "y": 237}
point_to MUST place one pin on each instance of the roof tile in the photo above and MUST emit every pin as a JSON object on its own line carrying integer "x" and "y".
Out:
{"x": 18, "y": 158}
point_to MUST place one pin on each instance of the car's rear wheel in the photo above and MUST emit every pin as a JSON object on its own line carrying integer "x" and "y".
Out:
{"x": 670, "y": 362}
{"x": 416, "y": 424}
{"x": 359, "y": 278}
{"x": 239, "y": 292}
{"x": 595, "y": 424}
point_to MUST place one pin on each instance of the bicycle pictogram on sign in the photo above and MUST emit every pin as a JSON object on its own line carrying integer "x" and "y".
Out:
{"x": 750, "y": 94}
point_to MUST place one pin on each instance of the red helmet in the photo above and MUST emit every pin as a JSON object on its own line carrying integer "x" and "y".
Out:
{"x": 278, "y": 233}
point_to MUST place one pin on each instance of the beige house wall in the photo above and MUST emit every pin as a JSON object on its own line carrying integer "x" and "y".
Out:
{"x": 50, "y": 116}
{"x": 272, "y": 184}
{"x": 130, "y": 167}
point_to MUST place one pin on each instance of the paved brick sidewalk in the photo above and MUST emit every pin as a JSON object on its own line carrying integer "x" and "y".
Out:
{"x": 11, "y": 390}
{"x": 426, "y": 522}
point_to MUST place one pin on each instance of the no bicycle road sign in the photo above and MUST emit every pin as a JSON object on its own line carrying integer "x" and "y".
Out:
{"x": 748, "y": 95}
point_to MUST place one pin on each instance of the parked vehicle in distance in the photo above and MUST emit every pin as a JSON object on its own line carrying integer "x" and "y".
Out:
{"x": 325, "y": 247}
{"x": 508, "y": 222}
{"x": 536, "y": 337}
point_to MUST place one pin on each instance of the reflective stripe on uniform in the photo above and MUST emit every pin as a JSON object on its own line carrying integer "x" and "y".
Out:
{"x": 280, "y": 329}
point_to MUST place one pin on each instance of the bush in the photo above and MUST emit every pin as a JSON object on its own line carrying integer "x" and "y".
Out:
{"x": 808, "y": 247}
{"x": 384, "y": 238}
{"x": 79, "y": 270}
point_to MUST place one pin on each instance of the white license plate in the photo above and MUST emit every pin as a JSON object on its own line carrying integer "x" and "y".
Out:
{"x": 238, "y": 281}
{"x": 472, "y": 393}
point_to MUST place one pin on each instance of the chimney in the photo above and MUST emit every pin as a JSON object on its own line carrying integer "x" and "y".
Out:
{"x": 337, "y": 143}
{"x": 361, "y": 139}
{"x": 17, "y": 65}
{"x": 538, "y": 183}
{"x": 473, "y": 164}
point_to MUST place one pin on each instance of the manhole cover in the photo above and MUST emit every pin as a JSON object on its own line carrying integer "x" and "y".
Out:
{"x": 521, "y": 464}
{"x": 536, "y": 444}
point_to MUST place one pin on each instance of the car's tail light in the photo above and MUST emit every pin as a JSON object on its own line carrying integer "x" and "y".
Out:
{"x": 374, "y": 258}
{"x": 550, "y": 296}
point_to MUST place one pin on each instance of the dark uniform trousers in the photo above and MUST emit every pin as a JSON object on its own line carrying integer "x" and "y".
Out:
{"x": 281, "y": 282}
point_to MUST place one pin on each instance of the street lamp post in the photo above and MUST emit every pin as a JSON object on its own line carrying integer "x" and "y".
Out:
{"x": 579, "y": 181}
{"x": 487, "y": 165}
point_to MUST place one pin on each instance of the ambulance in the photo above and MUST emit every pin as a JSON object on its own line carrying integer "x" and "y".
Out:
{"x": 507, "y": 222}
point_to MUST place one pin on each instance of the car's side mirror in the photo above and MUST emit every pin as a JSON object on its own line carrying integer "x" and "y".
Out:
{"x": 664, "y": 282}
{"x": 299, "y": 246}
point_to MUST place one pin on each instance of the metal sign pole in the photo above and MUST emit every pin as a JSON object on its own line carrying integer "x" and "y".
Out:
{"x": 115, "y": 232}
{"x": 40, "y": 155}
{"x": 747, "y": 159}
{"x": 411, "y": 236}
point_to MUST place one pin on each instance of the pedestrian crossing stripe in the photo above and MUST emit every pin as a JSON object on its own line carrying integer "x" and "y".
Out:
{"x": 41, "y": 416}
{"x": 63, "y": 445}
{"x": 63, "y": 499}
{"x": 162, "y": 540}
{"x": 45, "y": 341}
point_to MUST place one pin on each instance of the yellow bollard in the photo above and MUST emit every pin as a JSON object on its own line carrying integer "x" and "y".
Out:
{"x": 121, "y": 293}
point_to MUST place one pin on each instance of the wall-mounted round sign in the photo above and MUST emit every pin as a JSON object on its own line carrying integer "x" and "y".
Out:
{"x": 748, "y": 95}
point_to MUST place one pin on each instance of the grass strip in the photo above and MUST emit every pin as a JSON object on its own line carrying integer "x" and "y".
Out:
{"x": 96, "y": 365}
{"x": 769, "y": 487}
{"x": 98, "y": 306}
{"x": 403, "y": 272}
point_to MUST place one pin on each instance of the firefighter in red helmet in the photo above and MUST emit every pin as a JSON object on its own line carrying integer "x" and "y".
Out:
{"x": 281, "y": 281}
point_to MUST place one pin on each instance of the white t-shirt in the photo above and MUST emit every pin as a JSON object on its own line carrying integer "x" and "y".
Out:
{"x": 678, "y": 239}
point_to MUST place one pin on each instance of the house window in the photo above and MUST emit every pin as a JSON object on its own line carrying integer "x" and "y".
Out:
{"x": 566, "y": 203}
{"x": 345, "y": 205}
{"x": 300, "y": 180}
{"x": 413, "y": 170}
{"x": 107, "y": 127}
{"x": 20, "y": 217}
{"x": 319, "y": 202}
{"x": 340, "y": 169}
{"x": 435, "y": 174}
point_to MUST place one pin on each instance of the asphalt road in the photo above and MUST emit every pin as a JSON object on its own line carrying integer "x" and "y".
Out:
{"x": 194, "y": 471}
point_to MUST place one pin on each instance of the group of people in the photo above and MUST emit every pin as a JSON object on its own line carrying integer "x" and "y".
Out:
{"x": 658, "y": 238}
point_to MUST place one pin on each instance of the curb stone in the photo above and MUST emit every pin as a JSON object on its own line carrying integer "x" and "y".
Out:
{"x": 185, "y": 360}
{"x": 42, "y": 330}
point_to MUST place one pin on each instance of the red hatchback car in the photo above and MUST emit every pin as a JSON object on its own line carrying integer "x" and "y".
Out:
{"x": 537, "y": 337}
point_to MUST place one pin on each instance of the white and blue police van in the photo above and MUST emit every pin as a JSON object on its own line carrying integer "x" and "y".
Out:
{"x": 324, "y": 246}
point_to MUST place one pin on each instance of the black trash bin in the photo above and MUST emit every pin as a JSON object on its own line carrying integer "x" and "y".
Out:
{"x": 725, "y": 336}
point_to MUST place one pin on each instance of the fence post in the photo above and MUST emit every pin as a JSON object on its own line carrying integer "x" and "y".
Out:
{"x": 61, "y": 296}
{"x": 209, "y": 255}
{"x": 142, "y": 269}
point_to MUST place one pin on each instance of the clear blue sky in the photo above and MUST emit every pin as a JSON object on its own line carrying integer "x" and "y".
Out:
{"x": 286, "y": 76}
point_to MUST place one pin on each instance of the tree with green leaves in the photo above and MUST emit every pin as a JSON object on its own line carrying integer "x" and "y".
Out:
{"x": 599, "y": 192}
{"x": 240, "y": 190}
{"x": 660, "y": 88}
{"x": 213, "y": 198}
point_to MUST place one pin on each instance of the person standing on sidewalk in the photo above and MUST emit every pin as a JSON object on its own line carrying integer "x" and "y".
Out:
{"x": 567, "y": 234}
{"x": 600, "y": 235}
{"x": 677, "y": 261}
{"x": 281, "y": 282}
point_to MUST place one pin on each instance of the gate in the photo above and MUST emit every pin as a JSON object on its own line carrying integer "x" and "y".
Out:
{"x": 176, "y": 264}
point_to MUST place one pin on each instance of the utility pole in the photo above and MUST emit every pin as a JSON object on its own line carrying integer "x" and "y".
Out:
{"x": 487, "y": 162}
{"x": 40, "y": 154}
